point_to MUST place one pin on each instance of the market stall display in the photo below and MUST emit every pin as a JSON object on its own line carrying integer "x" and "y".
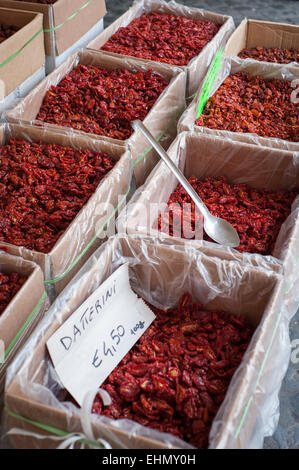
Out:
{"x": 122, "y": 324}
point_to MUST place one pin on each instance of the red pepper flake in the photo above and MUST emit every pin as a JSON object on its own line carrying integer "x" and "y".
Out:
{"x": 42, "y": 189}
{"x": 270, "y": 54}
{"x": 179, "y": 386}
{"x": 253, "y": 104}
{"x": 10, "y": 284}
{"x": 257, "y": 215}
{"x": 7, "y": 31}
{"x": 100, "y": 101}
{"x": 163, "y": 38}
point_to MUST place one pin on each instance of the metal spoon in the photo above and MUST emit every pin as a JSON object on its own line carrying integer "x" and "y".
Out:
{"x": 218, "y": 229}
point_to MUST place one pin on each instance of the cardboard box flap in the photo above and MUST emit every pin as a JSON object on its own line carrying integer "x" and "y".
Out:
{"x": 267, "y": 34}
{"x": 89, "y": 13}
{"x": 27, "y": 60}
{"x": 253, "y": 33}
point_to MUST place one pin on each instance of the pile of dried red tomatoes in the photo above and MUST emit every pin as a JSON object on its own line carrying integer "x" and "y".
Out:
{"x": 100, "y": 101}
{"x": 42, "y": 189}
{"x": 176, "y": 377}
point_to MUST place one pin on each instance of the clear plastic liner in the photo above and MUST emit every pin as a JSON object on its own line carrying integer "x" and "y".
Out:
{"x": 87, "y": 230}
{"x": 161, "y": 119}
{"x": 160, "y": 274}
{"x": 203, "y": 156}
{"x": 229, "y": 66}
{"x": 198, "y": 66}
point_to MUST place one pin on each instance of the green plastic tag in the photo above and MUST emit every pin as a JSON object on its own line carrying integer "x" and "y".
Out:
{"x": 209, "y": 81}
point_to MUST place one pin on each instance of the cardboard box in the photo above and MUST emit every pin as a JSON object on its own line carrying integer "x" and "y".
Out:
{"x": 162, "y": 116}
{"x": 79, "y": 240}
{"x": 67, "y": 20}
{"x": 160, "y": 274}
{"x": 16, "y": 322}
{"x": 54, "y": 61}
{"x": 9, "y": 101}
{"x": 198, "y": 66}
{"x": 30, "y": 59}
{"x": 202, "y": 156}
{"x": 231, "y": 65}
{"x": 253, "y": 33}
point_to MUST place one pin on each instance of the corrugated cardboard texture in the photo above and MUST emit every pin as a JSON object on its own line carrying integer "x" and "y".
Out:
{"x": 30, "y": 59}
{"x": 203, "y": 156}
{"x": 81, "y": 231}
{"x": 253, "y": 33}
{"x": 231, "y": 65}
{"x": 244, "y": 300}
{"x": 62, "y": 38}
{"x": 198, "y": 67}
{"x": 167, "y": 107}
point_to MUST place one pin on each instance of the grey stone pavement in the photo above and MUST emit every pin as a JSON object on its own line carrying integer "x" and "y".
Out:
{"x": 286, "y": 435}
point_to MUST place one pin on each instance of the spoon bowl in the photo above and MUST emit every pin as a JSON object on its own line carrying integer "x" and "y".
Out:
{"x": 221, "y": 231}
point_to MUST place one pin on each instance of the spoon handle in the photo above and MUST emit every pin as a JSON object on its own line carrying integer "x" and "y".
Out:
{"x": 175, "y": 170}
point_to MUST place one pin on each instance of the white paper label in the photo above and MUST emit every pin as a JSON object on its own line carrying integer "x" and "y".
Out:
{"x": 96, "y": 337}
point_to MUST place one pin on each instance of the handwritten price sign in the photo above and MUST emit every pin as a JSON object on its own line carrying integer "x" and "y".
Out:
{"x": 84, "y": 353}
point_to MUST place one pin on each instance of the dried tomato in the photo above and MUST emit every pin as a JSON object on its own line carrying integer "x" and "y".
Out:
{"x": 184, "y": 374}
{"x": 10, "y": 284}
{"x": 244, "y": 103}
{"x": 7, "y": 31}
{"x": 257, "y": 215}
{"x": 42, "y": 189}
{"x": 163, "y": 38}
{"x": 100, "y": 101}
{"x": 270, "y": 54}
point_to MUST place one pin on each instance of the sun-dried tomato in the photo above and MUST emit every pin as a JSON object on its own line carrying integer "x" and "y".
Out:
{"x": 7, "y": 31}
{"x": 163, "y": 38}
{"x": 257, "y": 215}
{"x": 100, "y": 101}
{"x": 244, "y": 103}
{"x": 10, "y": 284}
{"x": 184, "y": 374}
{"x": 42, "y": 189}
{"x": 270, "y": 54}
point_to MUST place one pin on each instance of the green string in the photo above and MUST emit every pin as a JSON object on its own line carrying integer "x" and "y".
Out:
{"x": 69, "y": 18}
{"x": 20, "y": 50}
{"x": 42, "y": 30}
{"x": 22, "y": 329}
{"x": 50, "y": 429}
{"x": 209, "y": 81}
